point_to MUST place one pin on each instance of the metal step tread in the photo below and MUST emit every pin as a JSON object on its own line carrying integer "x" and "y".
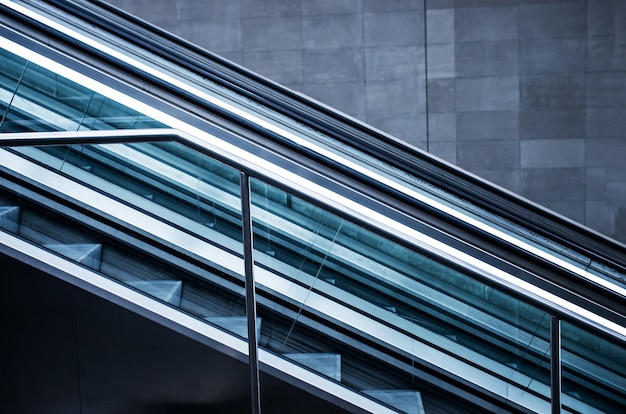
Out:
{"x": 235, "y": 324}
{"x": 10, "y": 218}
{"x": 89, "y": 254}
{"x": 169, "y": 291}
{"x": 407, "y": 401}
{"x": 328, "y": 364}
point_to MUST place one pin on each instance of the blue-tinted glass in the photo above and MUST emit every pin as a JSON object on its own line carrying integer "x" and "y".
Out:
{"x": 189, "y": 193}
{"x": 594, "y": 371}
{"x": 422, "y": 299}
{"x": 33, "y": 98}
{"x": 11, "y": 70}
{"x": 173, "y": 182}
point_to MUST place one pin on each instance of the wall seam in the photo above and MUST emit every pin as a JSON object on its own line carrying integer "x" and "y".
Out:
{"x": 426, "y": 80}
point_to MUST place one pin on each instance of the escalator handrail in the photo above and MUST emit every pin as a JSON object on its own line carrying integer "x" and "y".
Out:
{"x": 337, "y": 203}
{"x": 375, "y": 143}
{"x": 569, "y": 267}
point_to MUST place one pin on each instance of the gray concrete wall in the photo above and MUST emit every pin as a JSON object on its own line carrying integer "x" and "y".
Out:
{"x": 529, "y": 94}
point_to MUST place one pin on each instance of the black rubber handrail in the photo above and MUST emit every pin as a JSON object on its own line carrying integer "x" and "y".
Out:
{"x": 351, "y": 132}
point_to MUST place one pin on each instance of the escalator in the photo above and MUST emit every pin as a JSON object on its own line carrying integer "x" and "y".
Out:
{"x": 376, "y": 288}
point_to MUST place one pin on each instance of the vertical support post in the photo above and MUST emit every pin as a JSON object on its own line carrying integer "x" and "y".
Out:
{"x": 555, "y": 363}
{"x": 253, "y": 346}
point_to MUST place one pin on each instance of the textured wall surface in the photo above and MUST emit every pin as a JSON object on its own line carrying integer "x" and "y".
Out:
{"x": 529, "y": 94}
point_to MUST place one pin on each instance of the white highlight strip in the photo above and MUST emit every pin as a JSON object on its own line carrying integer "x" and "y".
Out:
{"x": 105, "y": 286}
{"x": 200, "y": 137}
{"x": 335, "y": 311}
{"x": 239, "y": 112}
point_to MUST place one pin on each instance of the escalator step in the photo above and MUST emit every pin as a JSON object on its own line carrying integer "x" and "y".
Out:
{"x": 235, "y": 324}
{"x": 169, "y": 291}
{"x": 408, "y": 401}
{"x": 324, "y": 363}
{"x": 84, "y": 253}
{"x": 10, "y": 218}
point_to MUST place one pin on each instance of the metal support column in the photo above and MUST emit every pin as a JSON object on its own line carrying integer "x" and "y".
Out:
{"x": 253, "y": 347}
{"x": 555, "y": 363}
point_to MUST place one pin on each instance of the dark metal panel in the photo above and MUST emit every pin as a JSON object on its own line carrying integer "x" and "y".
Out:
{"x": 489, "y": 247}
{"x": 38, "y": 350}
{"x": 352, "y": 132}
{"x": 248, "y": 251}
{"x": 65, "y": 350}
{"x": 555, "y": 363}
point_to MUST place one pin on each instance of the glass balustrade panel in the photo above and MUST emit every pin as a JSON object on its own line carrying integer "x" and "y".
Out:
{"x": 411, "y": 302}
{"x": 593, "y": 370}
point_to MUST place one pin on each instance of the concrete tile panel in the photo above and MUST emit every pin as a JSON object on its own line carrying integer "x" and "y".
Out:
{"x": 332, "y": 31}
{"x": 552, "y": 91}
{"x": 409, "y": 128}
{"x": 552, "y": 20}
{"x": 282, "y": 66}
{"x": 271, "y": 33}
{"x": 392, "y": 5}
{"x": 172, "y": 26}
{"x": 266, "y": 8}
{"x": 440, "y": 61}
{"x": 497, "y": 58}
{"x": 400, "y": 97}
{"x": 393, "y": 28}
{"x": 441, "y": 95}
{"x": 480, "y": 24}
{"x": 460, "y": 4}
{"x": 346, "y": 97}
{"x": 539, "y": 56}
{"x": 553, "y": 184}
{"x": 487, "y": 93}
{"x": 539, "y": 1}
{"x": 152, "y": 10}
{"x": 439, "y": 4}
{"x": 616, "y": 191}
{"x": 600, "y": 216}
{"x": 606, "y": 90}
{"x": 386, "y": 63}
{"x": 620, "y": 225}
{"x": 420, "y": 145}
{"x": 487, "y": 125}
{"x": 208, "y": 9}
{"x": 333, "y": 65}
{"x": 444, "y": 150}
{"x": 331, "y": 6}
{"x": 552, "y": 123}
{"x": 620, "y": 24}
{"x": 605, "y": 122}
{"x": 553, "y": 153}
{"x": 606, "y": 153}
{"x": 595, "y": 184}
{"x": 600, "y": 17}
{"x": 603, "y": 54}
{"x": 236, "y": 57}
{"x": 214, "y": 35}
{"x": 572, "y": 209}
{"x": 442, "y": 127}
{"x": 616, "y": 173}
{"x": 488, "y": 155}
{"x": 507, "y": 178}
{"x": 440, "y": 26}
